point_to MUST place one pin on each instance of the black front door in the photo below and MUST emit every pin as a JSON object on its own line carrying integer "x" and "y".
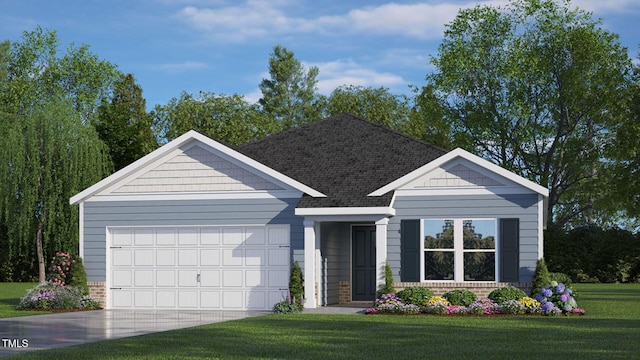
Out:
{"x": 363, "y": 263}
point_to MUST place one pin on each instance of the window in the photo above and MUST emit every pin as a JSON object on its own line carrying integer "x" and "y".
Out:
{"x": 459, "y": 249}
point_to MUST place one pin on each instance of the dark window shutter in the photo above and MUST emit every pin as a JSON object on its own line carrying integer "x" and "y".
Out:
{"x": 410, "y": 250}
{"x": 509, "y": 250}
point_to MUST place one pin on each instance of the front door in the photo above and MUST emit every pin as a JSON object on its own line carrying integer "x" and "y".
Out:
{"x": 363, "y": 263}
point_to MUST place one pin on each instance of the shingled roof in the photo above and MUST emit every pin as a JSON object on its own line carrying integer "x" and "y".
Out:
{"x": 344, "y": 157}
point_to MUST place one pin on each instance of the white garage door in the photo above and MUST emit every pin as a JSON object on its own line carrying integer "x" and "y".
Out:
{"x": 205, "y": 268}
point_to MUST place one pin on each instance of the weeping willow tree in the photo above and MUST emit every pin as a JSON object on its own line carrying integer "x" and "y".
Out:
{"x": 47, "y": 156}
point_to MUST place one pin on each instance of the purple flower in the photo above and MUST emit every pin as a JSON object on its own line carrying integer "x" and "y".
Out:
{"x": 560, "y": 288}
{"x": 546, "y": 292}
{"x": 564, "y": 297}
{"x": 548, "y": 306}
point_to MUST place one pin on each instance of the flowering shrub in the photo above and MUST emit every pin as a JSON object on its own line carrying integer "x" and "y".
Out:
{"x": 60, "y": 269}
{"x": 513, "y": 307}
{"x": 391, "y": 303}
{"x": 531, "y": 304}
{"x": 456, "y": 310}
{"x": 557, "y": 299}
{"x": 484, "y": 306}
{"x": 436, "y": 305}
{"x": 52, "y": 296}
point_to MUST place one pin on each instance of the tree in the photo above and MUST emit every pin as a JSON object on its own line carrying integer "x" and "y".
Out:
{"x": 289, "y": 95}
{"x": 427, "y": 122}
{"x": 49, "y": 150}
{"x": 124, "y": 125}
{"x": 536, "y": 88}
{"x": 47, "y": 157}
{"x": 375, "y": 104}
{"x": 226, "y": 118}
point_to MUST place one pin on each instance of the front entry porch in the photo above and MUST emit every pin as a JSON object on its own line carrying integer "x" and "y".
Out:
{"x": 343, "y": 260}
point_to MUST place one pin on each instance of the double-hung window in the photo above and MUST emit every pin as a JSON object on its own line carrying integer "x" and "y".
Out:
{"x": 459, "y": 249}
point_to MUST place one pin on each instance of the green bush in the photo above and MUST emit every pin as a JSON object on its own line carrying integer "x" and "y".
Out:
{"x": 506, "y": 293}
{"x": 415, "y": 295}
{"x": 541, "y": 277}
{"x": 460, "y": 297}
{"x": 387, "y": 288}
{"x": 78, "y": 276}
{"x": 560, "y": 278}
{"x": 51, "y": 296}
{"x": 288, "y": 306}
{"x": 296, "y": 283}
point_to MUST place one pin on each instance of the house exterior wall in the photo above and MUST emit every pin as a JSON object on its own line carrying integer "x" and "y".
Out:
{"x": 100, "y": 215}
{"x": 521, "y": 206}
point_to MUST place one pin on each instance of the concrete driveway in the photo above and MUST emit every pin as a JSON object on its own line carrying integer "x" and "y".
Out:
{"x": 49, "y": 331}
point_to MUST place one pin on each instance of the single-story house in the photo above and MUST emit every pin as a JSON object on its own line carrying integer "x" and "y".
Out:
{"x": 200, "y": 225}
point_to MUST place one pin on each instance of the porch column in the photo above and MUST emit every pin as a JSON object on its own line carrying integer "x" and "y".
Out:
{"x": 309, "y": 264}
{"x": 381, "y": 250}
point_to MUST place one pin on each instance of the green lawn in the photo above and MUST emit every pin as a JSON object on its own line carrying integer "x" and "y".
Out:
{"x": 10, "y": 294}
{"x": 610, "y": 330}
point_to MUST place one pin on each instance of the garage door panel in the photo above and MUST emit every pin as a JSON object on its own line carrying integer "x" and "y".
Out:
{"x": 143, "y": 278}
{"x": 143, "y": 299}
{"x": 143, "y": 257}
{"x": 188, "y": 299}
{"x": 166, "y": 237}
{"x": 218, "y": 267}
{"x": 279, "y": 257}
{"x": 165, "y": 257}
{"x": 255, "y": 257}
{"x": 122, "y": 278}
{"x": 187, "y": 278}
{"x": 188, "y": 236}
{"x": 165, "y": 278}
{"x": 232, "y": 236}
{"x": 188, "y": 257}
{"x": 210, "y": 257}
{"x": 166, "y": 299}
{"x": 232, "y": 257}
{"x": 210, "y": 299}
{"x": 210, "y": 278}
{"x": 233, "y": 300}
{"x": 255, "y": 236}
{"x": 254, "y": 278}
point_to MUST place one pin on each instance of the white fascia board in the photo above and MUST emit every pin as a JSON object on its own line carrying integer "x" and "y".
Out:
{"x": 221, "y": 195}
{"x": 175, "y": 144}
{"x": 467, "y": 156}
{"x": 339, "y": 211}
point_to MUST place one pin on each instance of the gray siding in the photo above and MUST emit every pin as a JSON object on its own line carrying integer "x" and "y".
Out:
{"x": 521, "y": 206}
{"x": 100, "y": 215}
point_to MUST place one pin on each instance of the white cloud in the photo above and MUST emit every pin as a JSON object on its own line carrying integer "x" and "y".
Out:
{"x": 180, "y": 67}
{"x": 599, "y": 7}
{"x": 347, "y": 72}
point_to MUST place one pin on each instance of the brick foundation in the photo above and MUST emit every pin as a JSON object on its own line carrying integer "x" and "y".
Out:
{"x": 98, "y": 291}
{"x": 481, "y": 289}
{"x": 344, "y": 296}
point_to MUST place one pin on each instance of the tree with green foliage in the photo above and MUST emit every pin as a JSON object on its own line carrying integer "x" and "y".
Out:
{"x": 374, "y": 104}
{"x": 387, "y": 287}
{"x": 427, "y": 122}
{"x": 124, "y": 125}
{"x": 289, "y": 95}
{"x": 541, "y": 277}
{"x": 49, "y": 148}
{"x": 536, "y": 87}
{"x": 296, "y": 283}
{"x": 226, "y": 118}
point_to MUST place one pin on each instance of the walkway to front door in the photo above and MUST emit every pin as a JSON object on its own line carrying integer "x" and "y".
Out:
{"x": 363, "y": 242}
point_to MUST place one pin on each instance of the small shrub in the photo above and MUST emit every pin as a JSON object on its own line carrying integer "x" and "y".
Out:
{"x": 506, "y": 293}
{"x": 560, "y": 278}
{"x": 484, "y": 306}
{"x": 541, "y": 277}
{"x": 460, "y": 297}
{"x": 60, "y": 269}
{"x": 288, "y": 306}
{"x": 78, "y": 276}
{"x": 387, "y": 288}
{"x": 513, "y": 307}
{"x": 415, "y": 295}
{"x": 558, "y": 298}
{"x": 391, "y": 303}
{"x": 436, "y": 305}
{"x": 52, "y": 296}
{"x": 296, "y": 283}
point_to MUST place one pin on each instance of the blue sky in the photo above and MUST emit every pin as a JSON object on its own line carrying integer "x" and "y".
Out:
{"x": 223, "y": 46}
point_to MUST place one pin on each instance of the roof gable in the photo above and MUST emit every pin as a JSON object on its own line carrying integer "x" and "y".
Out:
{"x": 461, "y": 169}
{"x": 193, "y": 163}
{"x": 344, "y": 157}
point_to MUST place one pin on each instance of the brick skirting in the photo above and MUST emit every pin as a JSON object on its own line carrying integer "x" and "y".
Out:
{"x": 344, "y": 296}
{"x": 98, "y": 291}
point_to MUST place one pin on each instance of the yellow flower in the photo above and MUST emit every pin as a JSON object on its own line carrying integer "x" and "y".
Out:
{"x": 529, "y": 302}
{"x": 435, "y": 300}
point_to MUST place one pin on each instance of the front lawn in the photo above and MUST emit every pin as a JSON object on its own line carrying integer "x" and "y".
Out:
{"x": 610, "y": 329}
{"x": 10, "y": 294}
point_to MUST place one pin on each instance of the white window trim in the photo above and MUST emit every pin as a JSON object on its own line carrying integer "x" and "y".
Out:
{"x": 458, "y": 249}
